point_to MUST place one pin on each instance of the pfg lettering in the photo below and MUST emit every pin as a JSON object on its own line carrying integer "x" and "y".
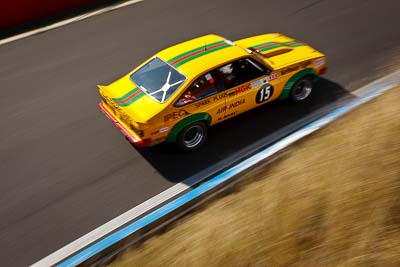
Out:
{"x": 242, "y": 88}
{"x": 176, "y": 115}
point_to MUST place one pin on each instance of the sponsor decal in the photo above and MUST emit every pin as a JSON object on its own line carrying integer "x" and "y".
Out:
{"x": 231, "y": 106}
{"x": 273, "y": 76}
{"x": 220, "y": 110}
{"x": 220, "y": 96}
{"x": 230, "y": 114}
{"x": 264, "y": 93}
{"x": 319, "y": 62}
{"x": 175, "y": 115}
{"x": 236, "y": 103}
{"x": 125, "y": 118}
{"x": 259, "y": 82}
{"x": 202, "y": 103}
{"x": 265, "y": 80}
{"x": 162, "y": 130}
{"x": 118, "y": 111}
{"x": 242, "y": 88}
{"x": 205, "y": 49}
{"x": 234, "y": 91}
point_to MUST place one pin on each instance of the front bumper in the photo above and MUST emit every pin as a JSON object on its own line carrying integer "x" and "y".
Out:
{"x": 135, "y": 140}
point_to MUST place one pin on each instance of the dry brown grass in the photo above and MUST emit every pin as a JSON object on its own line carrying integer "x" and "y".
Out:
{"x": 332, "y": 199}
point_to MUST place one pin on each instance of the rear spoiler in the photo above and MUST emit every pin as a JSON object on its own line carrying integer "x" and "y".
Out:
{"x": 101, "y": 87}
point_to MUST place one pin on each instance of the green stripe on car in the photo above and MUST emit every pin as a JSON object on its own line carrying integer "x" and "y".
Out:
{"x": 119, "y": 99}
{"x": 200, "y": 55}
{"x": 131, "y": 101}
{"x": 269, "y": 48}
{"x": 193, "y": 50}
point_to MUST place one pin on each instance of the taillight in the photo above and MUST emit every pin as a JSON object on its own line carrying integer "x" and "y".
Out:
{"x": 323, "y": 71}
{"x": 142, "y": 143}
{"x": 136, "y": 130}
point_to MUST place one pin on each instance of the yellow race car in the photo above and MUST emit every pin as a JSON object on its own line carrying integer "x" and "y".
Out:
{"x": 179, "y": 92}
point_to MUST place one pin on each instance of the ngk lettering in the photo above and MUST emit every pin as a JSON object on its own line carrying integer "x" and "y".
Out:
{"x": 242, "y": 88}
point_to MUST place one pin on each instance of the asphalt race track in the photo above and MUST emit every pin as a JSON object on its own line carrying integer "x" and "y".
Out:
{"x": 65, "y": 169}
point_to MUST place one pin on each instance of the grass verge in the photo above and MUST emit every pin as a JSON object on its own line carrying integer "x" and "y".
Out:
{"x": 332, "y": 199}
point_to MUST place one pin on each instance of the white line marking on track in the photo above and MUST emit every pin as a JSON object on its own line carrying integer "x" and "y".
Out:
{"x": 114, "y": 224}
{"x": 68, "y": 21}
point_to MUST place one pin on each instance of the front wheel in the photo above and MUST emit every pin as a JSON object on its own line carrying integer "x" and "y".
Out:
{"x": 192, "y": 136}
{"x": 301, "y": 90}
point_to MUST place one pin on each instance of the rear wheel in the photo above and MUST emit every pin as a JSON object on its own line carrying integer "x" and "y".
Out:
{"x": 192, "y": 136}
{"x": 302, "y": 89}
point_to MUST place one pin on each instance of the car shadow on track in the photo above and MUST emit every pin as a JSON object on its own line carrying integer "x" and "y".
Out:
{"x": 235, "y": 135}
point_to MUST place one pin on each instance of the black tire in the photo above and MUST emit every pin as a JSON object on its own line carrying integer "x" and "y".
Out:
{"x": 192, "y": 136}
{"x": 302, "y": 89}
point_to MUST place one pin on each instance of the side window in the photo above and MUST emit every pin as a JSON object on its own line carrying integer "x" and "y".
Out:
{"x": 201, "y": 88}
{"x": 238, "y": 72}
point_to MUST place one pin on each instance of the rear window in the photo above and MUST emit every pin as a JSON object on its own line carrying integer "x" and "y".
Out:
{"x": 158, "y": 79}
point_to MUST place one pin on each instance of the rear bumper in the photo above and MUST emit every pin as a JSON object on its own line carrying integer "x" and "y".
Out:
{"x": 135, "y": 140}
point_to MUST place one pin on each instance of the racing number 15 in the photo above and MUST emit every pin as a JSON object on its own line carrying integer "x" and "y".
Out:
{"x": 264, "y": 93}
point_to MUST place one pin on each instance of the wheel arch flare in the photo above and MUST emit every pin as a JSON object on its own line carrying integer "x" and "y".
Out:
{"x": 173, "y": 134}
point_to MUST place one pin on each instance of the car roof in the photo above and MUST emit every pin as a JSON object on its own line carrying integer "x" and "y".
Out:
{"x": 200, "y": 54}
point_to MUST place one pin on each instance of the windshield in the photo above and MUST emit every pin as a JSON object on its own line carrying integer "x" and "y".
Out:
{"x": 158, "y": 79}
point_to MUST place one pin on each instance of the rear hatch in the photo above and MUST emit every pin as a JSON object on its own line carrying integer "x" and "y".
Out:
{"x": 128, "y": 101}
{"x": 145, "y": 92}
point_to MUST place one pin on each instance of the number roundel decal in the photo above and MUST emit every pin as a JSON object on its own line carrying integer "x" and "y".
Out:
{"x": 264, "y": 93}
